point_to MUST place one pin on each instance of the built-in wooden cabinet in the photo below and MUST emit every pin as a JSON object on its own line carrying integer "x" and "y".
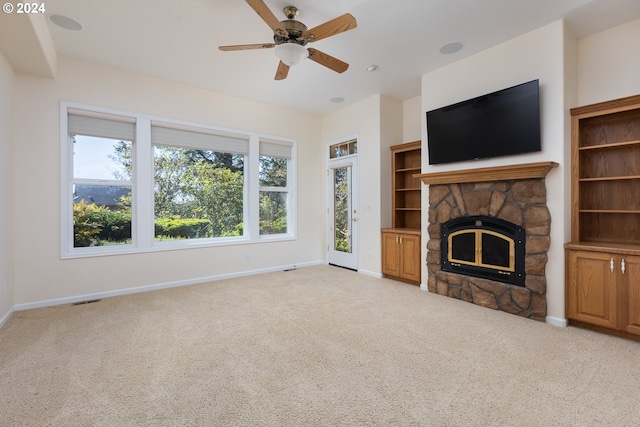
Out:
{"x": 401, "y": 254}
{"x": 603, "y": 257}
{"x": 401, "y": 244}
{"x": 603, "y": 288}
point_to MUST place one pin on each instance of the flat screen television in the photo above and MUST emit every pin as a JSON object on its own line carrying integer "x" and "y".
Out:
{"x": 502, "y": 123}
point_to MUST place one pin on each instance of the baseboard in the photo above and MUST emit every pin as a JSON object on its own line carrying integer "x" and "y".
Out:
{"x": 557, "y": 321}
{"x": 7, "y": 316}
{"x": 119, "y": 292}
{"x": 370, "y": 273}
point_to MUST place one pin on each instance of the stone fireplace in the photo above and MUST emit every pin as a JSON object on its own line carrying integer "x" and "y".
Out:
{"x": 512, "y": 195}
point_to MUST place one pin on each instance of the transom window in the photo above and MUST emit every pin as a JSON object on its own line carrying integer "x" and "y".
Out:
{"x": 343, "y": 149}
{"x": 131, "y": 183}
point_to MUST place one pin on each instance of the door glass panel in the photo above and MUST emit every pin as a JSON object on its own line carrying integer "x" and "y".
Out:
{"x": 342, "y": 209}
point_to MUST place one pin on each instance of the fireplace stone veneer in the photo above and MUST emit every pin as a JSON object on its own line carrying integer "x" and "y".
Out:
{"x": 521, "y": 201}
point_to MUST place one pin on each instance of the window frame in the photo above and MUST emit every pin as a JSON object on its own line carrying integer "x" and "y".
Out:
{"x": 290, "y": 148}
{"x": 189, "y": 144}
{"x": 142, "y": 186}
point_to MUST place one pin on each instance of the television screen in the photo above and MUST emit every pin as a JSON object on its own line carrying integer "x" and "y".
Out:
{"x": 501, "y": 123}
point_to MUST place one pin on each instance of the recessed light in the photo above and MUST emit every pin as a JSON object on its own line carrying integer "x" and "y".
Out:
{"x": 337, "y": 99}
{"x": 66, "y": 22}
{"x": 372, "y": 67}
{"x": 450, "y": 48}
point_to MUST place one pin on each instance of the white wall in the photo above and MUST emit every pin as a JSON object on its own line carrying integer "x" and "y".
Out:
{"x": 40, "y": 274}
{"x": 391, "y": 121}
{"x": 412, "y": 119}
{"x": 536, "y": 55}
{"x": 375, "y": 135}
{"x": 609, "y": 64}
{"x": 6, "y": 188}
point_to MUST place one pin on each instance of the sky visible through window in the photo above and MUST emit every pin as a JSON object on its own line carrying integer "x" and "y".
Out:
{"x": 91, "y": 158}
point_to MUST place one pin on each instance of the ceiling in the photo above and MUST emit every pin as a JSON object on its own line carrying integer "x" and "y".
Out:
{"x": 178, "y": 40}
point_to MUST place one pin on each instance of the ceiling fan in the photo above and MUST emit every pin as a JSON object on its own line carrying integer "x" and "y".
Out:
{"x": 290, "y": 38}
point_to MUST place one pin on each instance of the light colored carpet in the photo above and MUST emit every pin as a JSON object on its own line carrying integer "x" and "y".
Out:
{"x": 318, "y": 346}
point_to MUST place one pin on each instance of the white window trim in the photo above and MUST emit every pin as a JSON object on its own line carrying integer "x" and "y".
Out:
{"x": 290, "y": 188}
{"x": 142, "y": 188}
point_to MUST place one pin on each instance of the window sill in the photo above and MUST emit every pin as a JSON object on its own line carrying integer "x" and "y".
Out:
{"x": 100, "y": 251}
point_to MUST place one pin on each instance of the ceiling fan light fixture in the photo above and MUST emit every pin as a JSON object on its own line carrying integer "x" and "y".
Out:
{"x": 291, "y": 53}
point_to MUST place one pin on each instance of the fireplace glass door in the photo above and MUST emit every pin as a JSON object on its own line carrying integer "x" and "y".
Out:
{"x": 483, "y": 248}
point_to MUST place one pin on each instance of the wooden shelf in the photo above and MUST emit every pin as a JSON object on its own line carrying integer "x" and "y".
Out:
{"x": 406, "y": 161}
{"x": 496, "y": 173}
{"x": 606, "y": 171}
{"x": 612, "y": 211}
{"x": 610, "y": 178}
{"x": 610, "y": 145}
{"x": 594, "y": 246}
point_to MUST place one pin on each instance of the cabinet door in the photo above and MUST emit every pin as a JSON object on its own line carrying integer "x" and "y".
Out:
{"x": 410, "y": 266}
{"x": 630, "y": 298}
{"x": 592, "y": 294}
{"x": 391, "y": 254}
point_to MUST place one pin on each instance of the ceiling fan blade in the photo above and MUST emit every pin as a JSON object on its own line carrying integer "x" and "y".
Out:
{"x": 268, "y": 17}
{"x": 335, "y": 26}
{"x": 283, "y": 71}
{"x": 328, "y": 61}
{"x": 247, "y": 46}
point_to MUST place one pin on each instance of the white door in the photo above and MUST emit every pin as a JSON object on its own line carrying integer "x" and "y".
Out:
{"x": 342, "y": 218}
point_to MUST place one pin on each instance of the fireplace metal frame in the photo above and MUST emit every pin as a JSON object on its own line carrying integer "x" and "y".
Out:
{"x": 512, "y": 234}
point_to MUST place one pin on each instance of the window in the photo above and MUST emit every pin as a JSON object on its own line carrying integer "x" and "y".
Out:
{"x": 343, "y": 149}
{"x": 132, "y": 183}
{"x": 198, "y": 184}
{"x": 274, "y": 187}
{"x": 101, "y": 179}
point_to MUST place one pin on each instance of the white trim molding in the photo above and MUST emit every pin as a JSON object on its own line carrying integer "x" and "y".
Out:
{"x": 128, "y": 291}
{"x": 6, "y": 317}
{"x": 557, "y": 321}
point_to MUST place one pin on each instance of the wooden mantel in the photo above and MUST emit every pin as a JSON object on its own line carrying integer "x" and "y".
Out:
{"x": 495, "y": 173}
